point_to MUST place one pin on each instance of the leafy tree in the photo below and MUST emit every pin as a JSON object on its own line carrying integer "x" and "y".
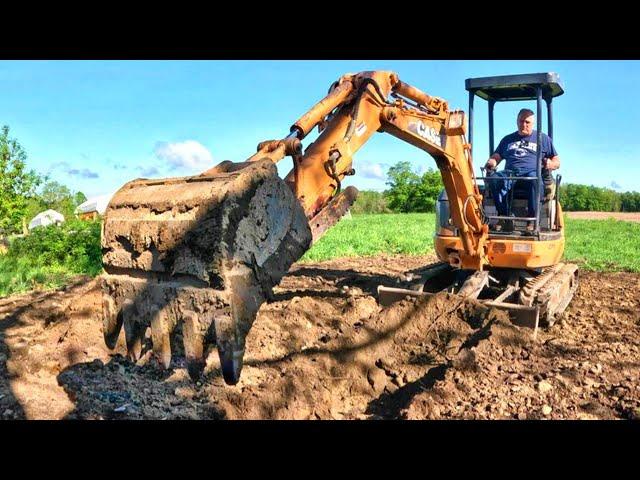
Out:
{"x": 411, "y": 192}
{"x": 576, "y": 197}
{"x": 630, "y": 202}
{"x": 54, "y": 193}
{"x": 370, "y": 201}
{"x": 402, "y": 181}
{"x": 427, "y": 191}
{"x": 58, "y": 197}
{"x": 79, "y": 198}
{"x": 55, "y": 196}
{"x": 17, "y": 184}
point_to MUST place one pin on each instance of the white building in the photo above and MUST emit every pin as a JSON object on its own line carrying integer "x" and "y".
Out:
{"x": 48, "y": 217}
{"x": 93, "y": 207}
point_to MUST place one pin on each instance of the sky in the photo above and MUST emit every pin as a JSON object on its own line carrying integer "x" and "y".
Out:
{"x": 95, "y": 125}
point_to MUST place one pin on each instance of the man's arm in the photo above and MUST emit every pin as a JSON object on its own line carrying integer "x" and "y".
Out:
{"x": 552, "y": 160}
{"x": 496, "y": 158}
{"x": 493, "y": 161}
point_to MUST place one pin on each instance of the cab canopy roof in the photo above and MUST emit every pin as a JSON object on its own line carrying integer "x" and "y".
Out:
{"x": 516, "y": 87}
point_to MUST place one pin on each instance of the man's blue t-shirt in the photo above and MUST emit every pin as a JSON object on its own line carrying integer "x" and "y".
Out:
{"x": 520, "y": 152}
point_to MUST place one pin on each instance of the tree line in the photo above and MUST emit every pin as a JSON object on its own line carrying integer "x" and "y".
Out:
{"x": 410, "y": 191}
{"x": 577, "y": 198}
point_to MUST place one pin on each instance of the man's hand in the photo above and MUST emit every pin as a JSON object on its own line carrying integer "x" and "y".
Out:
{"x": 552, "y": 163}
{"x": 491, "y": 164}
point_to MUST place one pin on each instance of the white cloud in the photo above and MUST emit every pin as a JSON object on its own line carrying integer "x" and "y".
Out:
{"x": 148, "y": 171}
{"x": 189, "y": 155}
{"x": 372, "y": 170}
{"x": 74, "y": 172}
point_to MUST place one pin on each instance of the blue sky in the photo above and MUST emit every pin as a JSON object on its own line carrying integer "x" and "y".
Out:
{"x": 94, "y": 125}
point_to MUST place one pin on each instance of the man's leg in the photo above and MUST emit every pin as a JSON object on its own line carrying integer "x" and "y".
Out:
{"x": 532, "y": 199}
{"x": 549, "y": 185}
{"x": 530, "y": 187}
{"x": 500, "y": 189}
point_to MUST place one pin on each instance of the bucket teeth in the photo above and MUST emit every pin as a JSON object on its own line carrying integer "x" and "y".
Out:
{"x": 193, "y": 336}
{"x": 133, "y": 329}
{"x": 231, "y": 361}
{"x": 161, "y": 329}
{"x": 111, "y": 321}
{"x": 230, "y": 351}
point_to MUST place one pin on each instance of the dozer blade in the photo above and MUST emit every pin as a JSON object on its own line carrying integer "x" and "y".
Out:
{"x": 539, "y": 301}
{"x": 551, "y": 291}
{"x": 202, "y": 253}
{"x": 521, "y": 315}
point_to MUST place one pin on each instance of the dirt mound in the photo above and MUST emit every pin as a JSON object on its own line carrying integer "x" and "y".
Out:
{"x": 323, "y": 348}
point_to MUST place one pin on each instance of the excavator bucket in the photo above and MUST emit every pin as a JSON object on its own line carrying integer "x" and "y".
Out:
{"x": 198, "y": 254}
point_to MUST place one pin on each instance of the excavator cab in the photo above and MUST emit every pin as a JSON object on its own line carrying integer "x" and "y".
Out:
{"x": 510, "y": 88}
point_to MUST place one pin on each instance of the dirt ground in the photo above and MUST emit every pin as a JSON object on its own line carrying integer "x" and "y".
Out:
{"x": 627, "y": 216}
{"x": 324, "y": 349}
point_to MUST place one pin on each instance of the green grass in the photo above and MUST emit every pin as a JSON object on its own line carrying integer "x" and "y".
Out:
{"x": 600, "y": 245}
{"x": 371, "y": 234}
{"x": 49, "y": 257}
{"x": 603, "y": 245}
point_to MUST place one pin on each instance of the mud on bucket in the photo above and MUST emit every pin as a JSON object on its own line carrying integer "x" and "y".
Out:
{"x": 203, "y": 251}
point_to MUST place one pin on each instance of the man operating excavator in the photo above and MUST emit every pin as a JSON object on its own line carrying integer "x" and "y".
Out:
{"x": 519, "y": 149}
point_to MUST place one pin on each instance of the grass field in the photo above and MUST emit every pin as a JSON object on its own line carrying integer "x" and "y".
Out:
{"x": 593, "y": 244}
{"x": 371, "y": 234}
{"x": 49, "y": 258}
{"x": 603, "y": 244}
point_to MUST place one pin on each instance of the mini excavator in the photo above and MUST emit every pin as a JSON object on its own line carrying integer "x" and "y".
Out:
{"x": 201, "y": 254}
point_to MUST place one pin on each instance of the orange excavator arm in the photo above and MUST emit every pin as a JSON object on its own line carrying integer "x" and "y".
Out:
{"x": 356, "y": 107}
{"x": 205, "y": 251}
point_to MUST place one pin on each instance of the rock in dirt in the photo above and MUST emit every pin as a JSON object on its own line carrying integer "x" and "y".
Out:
{"x": 544, "y": 387}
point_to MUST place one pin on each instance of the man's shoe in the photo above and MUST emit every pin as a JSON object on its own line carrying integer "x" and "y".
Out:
{"x": 503, "y": 226}
{"x": 507, "y": 226}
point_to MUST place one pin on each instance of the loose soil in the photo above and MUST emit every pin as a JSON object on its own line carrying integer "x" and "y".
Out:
{"x": 325, "y": 349}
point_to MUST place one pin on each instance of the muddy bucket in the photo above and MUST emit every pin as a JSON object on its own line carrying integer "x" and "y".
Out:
{"x": 202, "y": 252}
